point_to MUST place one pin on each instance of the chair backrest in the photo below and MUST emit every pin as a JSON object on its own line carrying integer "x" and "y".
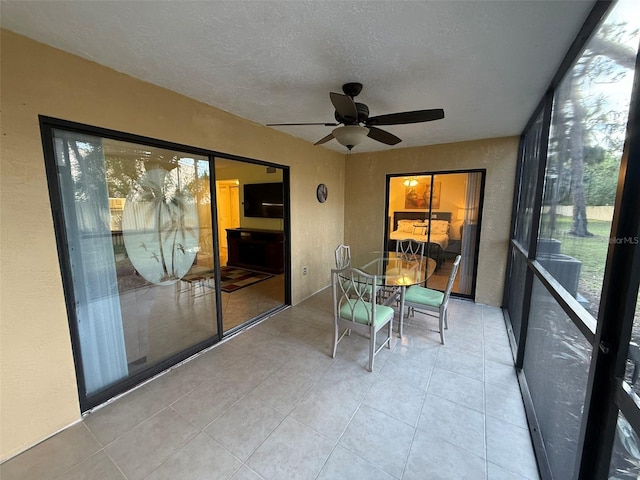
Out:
{"x": 351, "y": 295}
{"x": 343, "y": 256}
{"x": 410, "y": 249}
{"x": 452, "y": 277}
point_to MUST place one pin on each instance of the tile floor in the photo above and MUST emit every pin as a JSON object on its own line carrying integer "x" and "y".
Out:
{"x": 162, "y": 321}
{"x": 272, "y": 404}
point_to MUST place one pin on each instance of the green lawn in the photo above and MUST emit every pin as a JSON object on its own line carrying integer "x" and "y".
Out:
{"x": 592, "y": 252}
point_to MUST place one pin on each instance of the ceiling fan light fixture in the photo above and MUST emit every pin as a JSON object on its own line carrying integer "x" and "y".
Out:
{"x": 350, "y": 135}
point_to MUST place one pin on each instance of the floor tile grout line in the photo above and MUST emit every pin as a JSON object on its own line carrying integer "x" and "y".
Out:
{"x": 337, "y": 442}
{"x": 202, "y": 430}
{"x": 484, "y": 401}
{"x": 122, "y": 434}
{"x": 101, "y": 449}
{"x": 415, "y": 430}
{"x": 285, "y": 416}
{"x": 188, "y": 441}
{"x": 168, "y": 455}
{"x": 173, "y": 453}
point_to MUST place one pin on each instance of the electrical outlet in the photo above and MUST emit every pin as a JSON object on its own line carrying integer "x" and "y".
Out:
{"x": 305, "y": 270}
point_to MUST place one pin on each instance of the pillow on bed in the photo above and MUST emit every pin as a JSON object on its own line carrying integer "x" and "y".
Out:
{"x": 406, "y": 226}
{"x": 440, "y": 227}
{"x": 419, "y": 229}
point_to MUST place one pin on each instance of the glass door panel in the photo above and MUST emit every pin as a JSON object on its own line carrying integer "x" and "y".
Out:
{"x": 138, "y": 228}
{"x": 527, "y": 186}
{"x": 469, "y": 232}
{"x": 250, "y": 211}
{"x": 625, "y": 457}
{"x": 516, "y": 299}
{"x": 556, "y": 365}
{"x": 590, "y": 111}
{"x": 632, "y": 371}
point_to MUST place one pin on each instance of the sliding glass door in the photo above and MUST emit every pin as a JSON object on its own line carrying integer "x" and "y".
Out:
{"x": 443, "y": 210}
{"x": 138, "y": 235}
{"x": 145, "y": 263}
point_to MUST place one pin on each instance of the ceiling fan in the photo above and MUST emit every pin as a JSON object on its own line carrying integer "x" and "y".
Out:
{"x": 357, "y": 124}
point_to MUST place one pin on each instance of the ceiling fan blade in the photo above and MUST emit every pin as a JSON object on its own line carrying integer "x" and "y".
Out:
{"x": 285, "y": 124}
{"x": 383, "y": 136}
{"x": 402, "y": 118}
{"x": 345, "y": 106}
{"x": 325, "y": 139}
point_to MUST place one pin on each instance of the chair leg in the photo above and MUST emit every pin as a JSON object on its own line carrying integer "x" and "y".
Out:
{"x": 401, "y": 324}
{"x": 372, "y": 349}
{"x": 446, "y": 318}
{"x": 441, "y": 324}
{"x": 389, "y": 333}
{"x": 401, "y": 321}
{"x": 335, "y": 340}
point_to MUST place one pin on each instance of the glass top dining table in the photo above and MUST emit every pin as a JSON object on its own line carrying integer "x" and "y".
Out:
{"x": 396, "y": 272}
{"x": 394, "y": 269}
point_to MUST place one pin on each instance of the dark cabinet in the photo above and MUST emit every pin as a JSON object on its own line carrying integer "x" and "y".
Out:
{"x": 454, "y": 248}
{"x": 255, "y": 249}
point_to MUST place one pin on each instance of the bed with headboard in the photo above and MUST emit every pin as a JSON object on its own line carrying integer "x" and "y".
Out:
{"x": 416, "y": 226}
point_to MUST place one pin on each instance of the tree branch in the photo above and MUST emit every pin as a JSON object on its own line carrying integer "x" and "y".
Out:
{"x": 621, "y": 54}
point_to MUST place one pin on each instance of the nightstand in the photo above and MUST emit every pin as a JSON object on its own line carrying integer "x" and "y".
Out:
{"x": 454, "y": 248}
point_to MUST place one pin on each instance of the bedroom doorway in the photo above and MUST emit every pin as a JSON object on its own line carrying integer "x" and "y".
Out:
{"x": 444, "y": 210}
{"x": 228, "y": 209}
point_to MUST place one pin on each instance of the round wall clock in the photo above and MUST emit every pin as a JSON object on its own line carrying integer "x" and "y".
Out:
{"x": 321, "y": 193}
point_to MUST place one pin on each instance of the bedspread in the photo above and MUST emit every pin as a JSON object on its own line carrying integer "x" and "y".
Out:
{"x": 439, "y": 238}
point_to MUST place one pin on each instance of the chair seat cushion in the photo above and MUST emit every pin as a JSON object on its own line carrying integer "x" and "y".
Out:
{"x": 361, "y": 311}
{"x": 424, "y": 296}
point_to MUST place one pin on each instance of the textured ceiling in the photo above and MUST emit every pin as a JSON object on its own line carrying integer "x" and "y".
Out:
{"x": 486, "y": 63}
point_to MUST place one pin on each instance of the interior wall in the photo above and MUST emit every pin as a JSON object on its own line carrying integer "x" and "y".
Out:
{"x": 38, "y": 390}
{"x": 251, "y": 173}
{"x": 365, "y": 198}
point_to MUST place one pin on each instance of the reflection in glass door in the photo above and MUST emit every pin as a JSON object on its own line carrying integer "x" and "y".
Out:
{"x": 443, "y": 211}
{"x": 137, "y": 251}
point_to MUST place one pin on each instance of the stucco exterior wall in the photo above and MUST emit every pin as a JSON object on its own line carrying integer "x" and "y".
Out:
{"x": 38, "y": 390}
{"x": 365, "y": 198}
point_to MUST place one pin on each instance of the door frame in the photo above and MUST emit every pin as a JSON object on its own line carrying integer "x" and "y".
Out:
{"x": 432, "y": 173}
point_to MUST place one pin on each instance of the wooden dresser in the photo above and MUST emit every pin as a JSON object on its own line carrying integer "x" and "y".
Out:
{"x": 261, "y": 250}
